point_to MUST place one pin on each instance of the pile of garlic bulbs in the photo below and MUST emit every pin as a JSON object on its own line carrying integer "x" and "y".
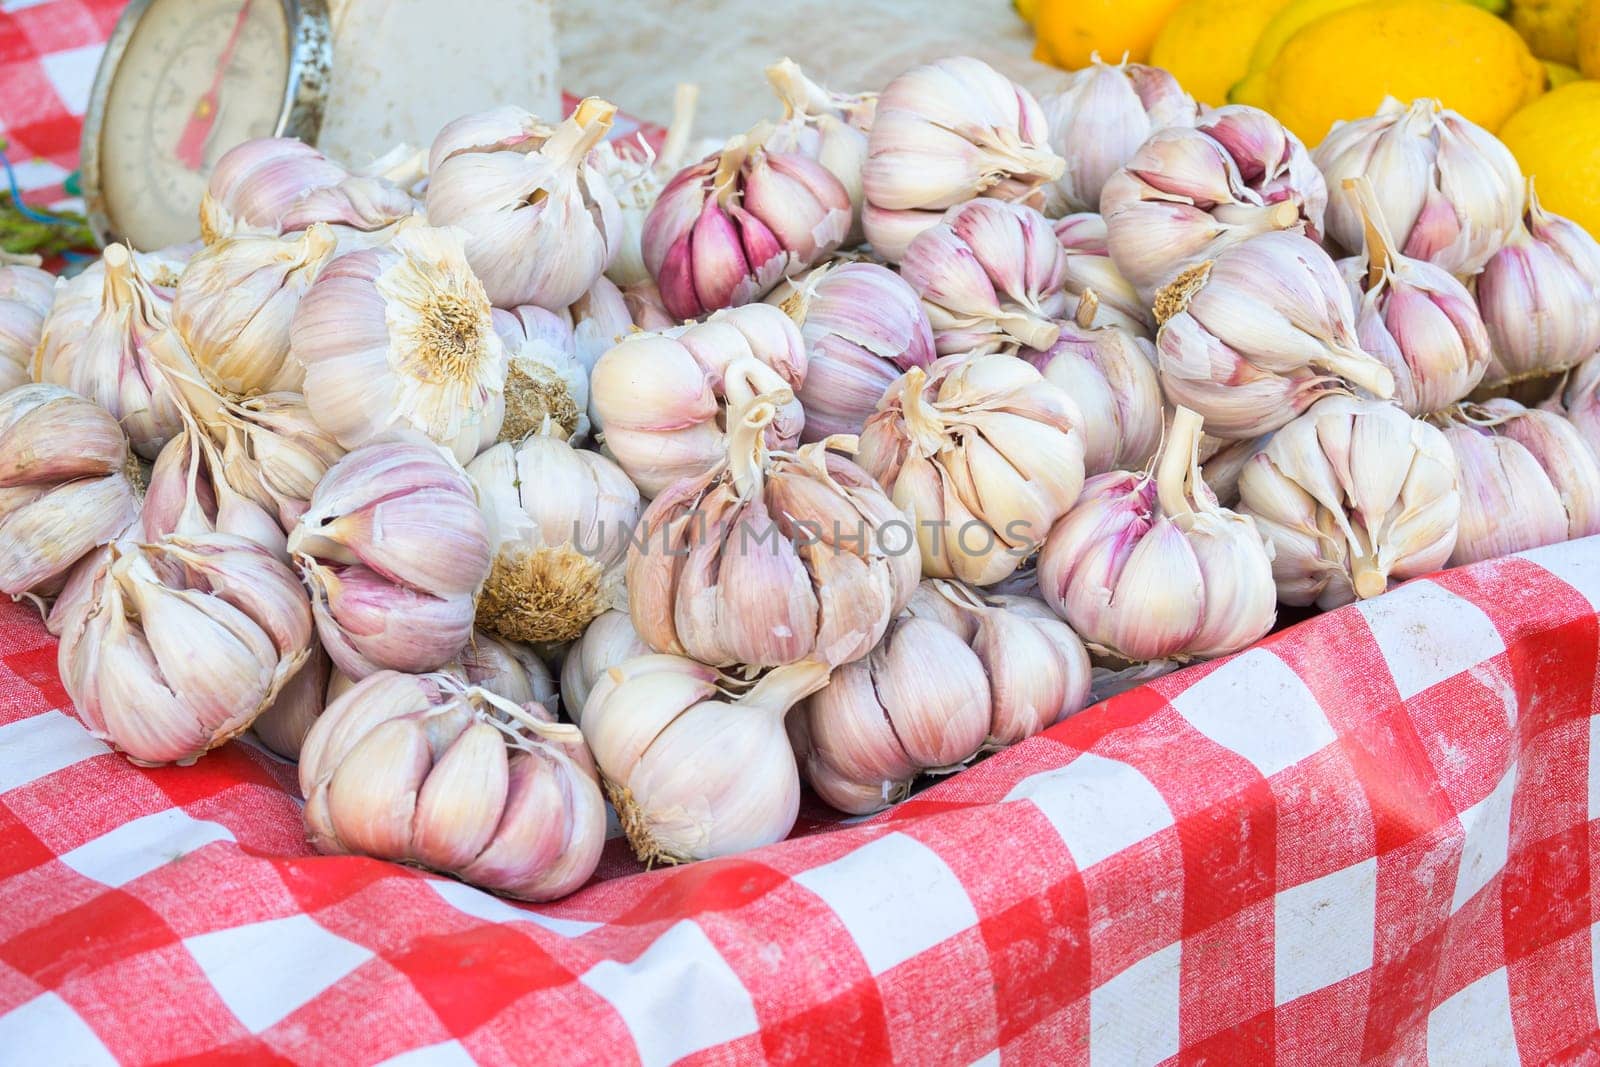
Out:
{"x": 874, "y": 440}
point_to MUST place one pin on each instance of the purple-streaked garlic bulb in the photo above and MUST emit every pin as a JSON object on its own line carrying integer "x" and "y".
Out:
{"x": 1100, "y": 118}
{"x": 1188, "y": 194}
{"x": 1254, "y": 337}
{"x": 729, "y": 228}
{"x": 944, "y": 133}
{"x": 540, "y": 222}
{"x": 191, "y": 492}
{"x": 863, "y": 326}
{"x": 1089, "y": 266}
{"x": 26, "y": 294}
{"x": 829, "y": 127}
{"x": 395, "y": 550}
{"x": 278, "y": 185}
{"x": 1449, "y": 190}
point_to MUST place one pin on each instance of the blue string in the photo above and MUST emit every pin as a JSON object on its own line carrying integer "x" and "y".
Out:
{"x": 16, "y": 197}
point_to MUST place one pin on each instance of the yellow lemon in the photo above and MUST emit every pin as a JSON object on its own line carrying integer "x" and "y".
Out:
{"x": 1550, "y": 27}
{"x": 1343, "y": 65}
{"x": 1206, "y": 44}
{"x": 1071, "y": 31}
{"x": 1557, "y": 140}
{"x": 1589, "y": 39}
{"x": 1558, "y": 74}
{"x": 1026, "y": 9}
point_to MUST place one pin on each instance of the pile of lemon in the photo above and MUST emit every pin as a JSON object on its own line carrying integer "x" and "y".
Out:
{"x": 1528, "y": 69}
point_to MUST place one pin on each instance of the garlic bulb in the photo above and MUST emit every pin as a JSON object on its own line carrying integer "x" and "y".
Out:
{"x": 636, "y": 176}
{"x": 284, "y": 725}
{"x": 862, "y": 326}
{"x": 1150, "y": 568}
{"x": 190, "y": 493}
{"x": 944, "y": 133}
{"x": 1100, "y": 117}
{"x": 646, "y": 310}
{"x": 278, "y": 185}
{"x": 661, "y": 398}
{"x": 1089, "y": 266}
{"x": 541, "y": 223}
{"x": 1527, "y": 479}
{"x": 1110, "y": 374}
{"x": 1416, "y": 319}
{"x": 693, "y": 772}
{"x": 608, "y": 641}
{"x": 26, "y": 294}
{"x": 423, "y": 769}
{"x": 235, "y": 302}
{"x": 1352, "y": 495}
{"x": 401, "y": 337}
{"x": 727, "y": 229}
{"x": 1189, "y": 194}
{"x": 828, "y": 127}
{"x": 1038, "y": 668}
{"x": 983, "y": 454}
{"x": 1579, "y": 401}
{"x": 1221, "y": 468}
{"x": 600, "y": 318}
{"x": 62, "y": 486}
{"x": 990, "y": 275}
{"x": 770, "y": 558}
{"x": 1251, "y": 339}
{"x": 95, "y": 342}
{"x": 508, "y": 670}
{"x": 394, "y": 549}
{"x": 559, "y": 520}
{"x": 275, "y": 453}
{"x": 1449, "y": 190}
{"x": 936, "y": 600}
{"x": 547, "y": 388}
{"x": 918, "y": 704}
{"x": 1537, "y": 296}
{"x": 182, "y": 643}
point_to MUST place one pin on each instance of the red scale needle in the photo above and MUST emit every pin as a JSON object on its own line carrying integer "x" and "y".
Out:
{"x": 192, "y": 145}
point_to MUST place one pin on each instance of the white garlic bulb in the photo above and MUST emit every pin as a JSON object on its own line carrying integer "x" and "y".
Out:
{"x": 190, "y": 492}
{"x": 609, "y": 640}
{"x": 423, "y": 769}
{"x": 95, "y": 341}
{"x": 559, "y": 522}
{"x": 1527, "y": 479}
{"x": 285, "y": 723}
{"x": 541, "y": 223}
{"x": 1089, "y": 266}
{"x": 62, "y": 487}
{"x": 509, "y": 670}
{"x": 694, "y": 773}
{"x": 944, "y": 133}
{"x": 983, "y": 454}
{"x": 1148, "y": 568}
{"x": 26, "y": 294}
{"x": 180, "y": 644}
{"x": 770, "y": 558}
{"x": 829, "y": 127}
{"x": 547, "y": 388}
{"x": 600, "y": 318}
{"x": 1579, "y": 401}
{"x": 1110, "y": 374}
{"x": 394, "y": 549}
{"x": 661, "y": 398}
{"x": 401, "y": 337}
{"x": 278, "y": 185}
{"x": 235, "y": 302}
{"x": 1352, "y": 495}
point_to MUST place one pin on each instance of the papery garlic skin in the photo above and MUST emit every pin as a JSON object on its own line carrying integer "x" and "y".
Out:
{"x": 1353, "y": 496}
{"x": 401, "y": 338}
{"x": 26, "y": 294}
{"x": 659, "y": 397}
{"x": 235, "y": 303}
{"x": 1450, "y": 191}
{"x": 1579, "y": 401}
{"x": 1110, "y": 375}
{"x": 1251, "y": 339}
{"x": 95, "y": 341}
{"x": 862, "y": 326}
{"x": 394, "y": 549}
{"x": 1189, "y": 194}
{"x": 1527, "y": 479}
{"x": 607, "y": 641}
{"x": 279, "y": 185}
{"x": 426, "y": 770}
{"x": 983, "y": 454}
{"x": 1038, "y": 668}
{"x": 182, "y": 643}
{"x": 1090, "y": 267}
{"x": 990, "y": 275}
{"x": 600, "y": 318}
{"x": 62, "y": 487}
{"x": 944, "y": 133}
{"x": 695, "y": 774}
{"x": 918, "y": 704}
{"x": 828, "y": 127}
{"x": 770, "y": 558}
{"x": 1146, "y": 568}
{"x": 645, "y": 308}
{"x": 283, "y": 726}
{"x": 1537, "y": 297}
{"x": 1100, "y": 117}
{"x": 275, "y": 453}
{"x": 541, "y": 223}
{"x": 559, "y": 520}
{"x": 547, "y": 387}
{"x": 190, "y": 493}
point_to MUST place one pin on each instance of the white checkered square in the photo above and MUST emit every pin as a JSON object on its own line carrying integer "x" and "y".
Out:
{"x": 1323, "y": 930}
{"x": 1575, "y": 562}
{"x": 1256, "y": 706}
{"x": 1099, "y": 806}
{"x": 1133, "y": 1018}
{"x": 1428, "y": 634}
{"x": 1488, "y": 840}
{"x": 481, "y": 905}
{"x": 71, "y": 73}
{"x": 45, "y": 1030}
{"x": 138, "y": 847}
{"x": 265, "y": 970}
{"x": 444, "y": 1054}
{"x": 1474, "y": 1027}
{"x": 34, "y": 747}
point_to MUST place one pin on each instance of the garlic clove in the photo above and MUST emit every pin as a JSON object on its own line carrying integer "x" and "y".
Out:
{"x": 609, "y": 640}
{"x": 458, "y": 807}
{"x": 372, "y": 795}
{"x": 368, "y": 623}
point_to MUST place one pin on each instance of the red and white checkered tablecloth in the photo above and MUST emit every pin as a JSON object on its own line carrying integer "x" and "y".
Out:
{"x": 1368, "y": 839}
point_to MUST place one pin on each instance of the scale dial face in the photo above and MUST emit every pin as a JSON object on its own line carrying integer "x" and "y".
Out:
{"x": 194, "y": 79}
